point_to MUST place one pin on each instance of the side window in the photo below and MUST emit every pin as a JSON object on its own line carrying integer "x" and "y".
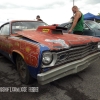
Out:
{"x": 68, "y": 26}
{"x": 5, "y": 30}
{"x": 85, "y": 26}
{"x": 87, "y": 31}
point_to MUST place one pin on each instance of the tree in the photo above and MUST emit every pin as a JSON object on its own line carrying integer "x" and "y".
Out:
{"x": 98, "y": 14}
{"x": 98, "y": 20}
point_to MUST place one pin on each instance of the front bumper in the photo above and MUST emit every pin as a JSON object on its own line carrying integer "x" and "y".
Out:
{"x": 66, "y": 69}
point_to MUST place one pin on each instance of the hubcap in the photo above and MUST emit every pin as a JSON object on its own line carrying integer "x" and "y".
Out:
{"x": 21, "y": 68}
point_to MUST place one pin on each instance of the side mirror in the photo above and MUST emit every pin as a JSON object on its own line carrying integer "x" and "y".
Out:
{"x": 86, "y": 28}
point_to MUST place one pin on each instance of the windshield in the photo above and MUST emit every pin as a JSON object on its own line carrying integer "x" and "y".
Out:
{"x": 26, "y": 25}
{"x": 93, "y": 24}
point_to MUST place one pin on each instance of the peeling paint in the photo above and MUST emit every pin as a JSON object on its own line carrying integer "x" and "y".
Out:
{"x": 60, "y": 41}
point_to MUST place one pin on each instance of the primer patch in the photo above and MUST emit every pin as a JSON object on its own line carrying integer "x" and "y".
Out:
{"x": 60, "y": 41}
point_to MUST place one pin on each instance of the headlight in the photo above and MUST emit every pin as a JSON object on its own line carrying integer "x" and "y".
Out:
{"x": 99, "y": 45}
{"x": 47, "y": 58}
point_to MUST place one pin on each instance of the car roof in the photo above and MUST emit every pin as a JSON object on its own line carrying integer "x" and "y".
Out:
{"x": 24, "y": 20}
{"x": 20, "y": 21}
{"x": 63, "y": 24}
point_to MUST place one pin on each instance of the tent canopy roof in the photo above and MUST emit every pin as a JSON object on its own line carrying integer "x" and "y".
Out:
{"x": 89, "y": 16}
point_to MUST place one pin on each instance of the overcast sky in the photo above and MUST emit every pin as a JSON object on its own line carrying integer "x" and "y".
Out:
{"x": 50, "y": 11}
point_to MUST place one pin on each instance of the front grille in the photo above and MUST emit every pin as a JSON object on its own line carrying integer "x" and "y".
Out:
{"x": 75, "y": 53}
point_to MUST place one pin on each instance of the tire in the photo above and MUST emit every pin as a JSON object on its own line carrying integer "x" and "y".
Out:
{"x": 23, "y": 71}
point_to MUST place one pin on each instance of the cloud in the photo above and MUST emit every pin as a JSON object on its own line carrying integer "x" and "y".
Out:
{"x": 32, "y": 5}
{"x": 46, "y": 6}
{"x": 86, "y": 1}
{"x": 51, "y": 11}
{"x": 92, "y": 2}
{"x": 8, "y": 6}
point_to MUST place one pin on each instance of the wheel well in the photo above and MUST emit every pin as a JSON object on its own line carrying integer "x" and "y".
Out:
{"x": 14, "y": 56}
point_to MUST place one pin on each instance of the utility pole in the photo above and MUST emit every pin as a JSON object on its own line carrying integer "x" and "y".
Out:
{"x": 73, "y": 5}
{"x": 73, "y": 2}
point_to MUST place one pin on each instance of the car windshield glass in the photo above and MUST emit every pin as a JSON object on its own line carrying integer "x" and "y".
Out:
{"x": 93, "y": 24}
{"x": 26, "y": 25}
{"x": 65, "y": 24}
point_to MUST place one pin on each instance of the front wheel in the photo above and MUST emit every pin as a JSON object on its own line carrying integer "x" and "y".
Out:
{"x": 23, "y": 70}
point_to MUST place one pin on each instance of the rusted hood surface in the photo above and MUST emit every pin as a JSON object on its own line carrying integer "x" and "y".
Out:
{"x": 58, "y": 41}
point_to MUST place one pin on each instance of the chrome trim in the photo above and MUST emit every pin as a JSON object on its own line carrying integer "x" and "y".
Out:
{"x": 53, "y": 61}
{"x": 66, "y": 69}
{"x": 76, "y": 53}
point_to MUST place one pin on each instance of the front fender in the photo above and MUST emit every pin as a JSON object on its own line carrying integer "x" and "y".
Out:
{"x": 18, "y": 52}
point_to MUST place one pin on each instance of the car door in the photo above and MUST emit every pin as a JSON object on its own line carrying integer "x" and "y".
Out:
{"x": 97, "y": 30}
{"x": 4, "y": 40}
{"x": 88, "y": 31}
{"x": 67, "y": 26}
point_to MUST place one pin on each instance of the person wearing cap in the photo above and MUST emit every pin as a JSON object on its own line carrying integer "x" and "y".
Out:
{"x": 38, "y": 18}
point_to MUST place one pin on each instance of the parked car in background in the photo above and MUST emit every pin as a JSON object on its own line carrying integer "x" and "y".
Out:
{"x": 43, "y": 52}
{"x": 91, "y": 28}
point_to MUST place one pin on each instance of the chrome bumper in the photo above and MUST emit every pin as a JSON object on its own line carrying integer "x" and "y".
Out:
{"x": 66, "y": 69}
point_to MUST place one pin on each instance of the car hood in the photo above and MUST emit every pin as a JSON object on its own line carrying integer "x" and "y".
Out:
{"x": 58, "y": 41}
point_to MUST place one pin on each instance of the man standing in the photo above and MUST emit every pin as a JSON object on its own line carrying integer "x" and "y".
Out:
{"x": 38, "y": 18}
{"x": 77, "y": 25}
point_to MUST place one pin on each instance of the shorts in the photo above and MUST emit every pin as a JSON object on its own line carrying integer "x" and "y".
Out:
{"x": 78, "y": 32}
